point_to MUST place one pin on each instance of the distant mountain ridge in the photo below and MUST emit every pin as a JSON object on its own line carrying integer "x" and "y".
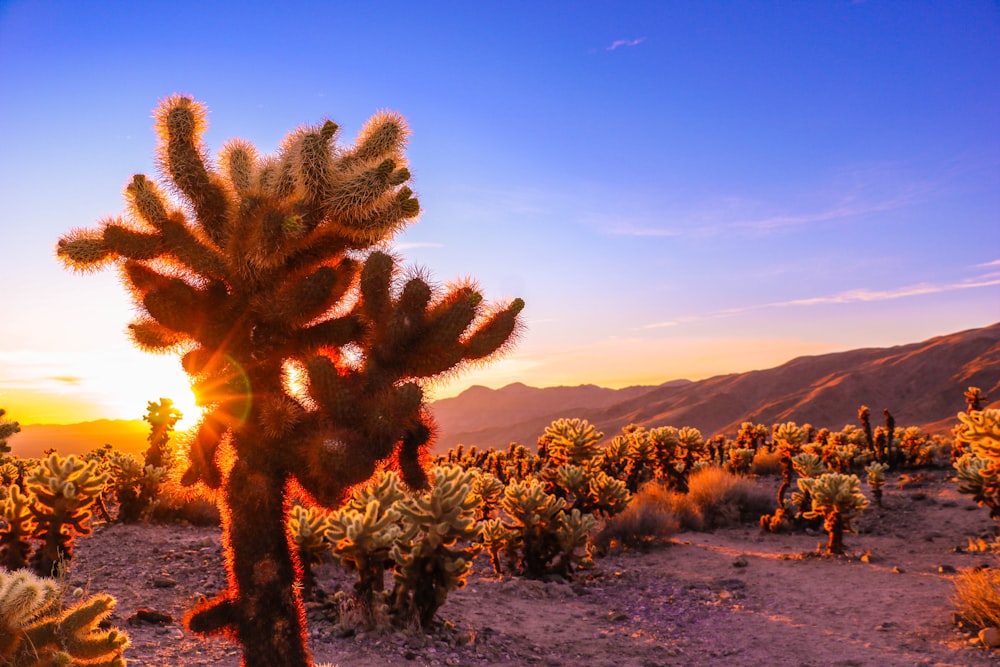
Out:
{"x": 128, "y": 435}
{"x": 921, "y": 384}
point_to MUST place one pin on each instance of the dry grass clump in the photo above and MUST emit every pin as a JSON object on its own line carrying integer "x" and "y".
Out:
{"x": 648, "y": 519}
{"x": 717, "y": 498}
{"x": 977, "y": 597}
{"x": 766, "y": 463}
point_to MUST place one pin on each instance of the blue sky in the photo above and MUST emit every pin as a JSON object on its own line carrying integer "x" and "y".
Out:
{"x": 677, "y": 189}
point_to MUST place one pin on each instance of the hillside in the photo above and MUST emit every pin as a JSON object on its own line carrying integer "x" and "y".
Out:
{"x": 921, "y": 384}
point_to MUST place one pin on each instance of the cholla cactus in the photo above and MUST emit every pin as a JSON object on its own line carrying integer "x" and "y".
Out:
{"x": 488, "y": 490}
{"x": 427, "y": 564}
{"x": 675, "y": 453}
{"x": 837, "y": 499}
{"x": 309, "y": 528}
{"x": 971, "y": 479}
{"x": 162, "y": 418}
{"x": 63, "y": 490}
{"x": 876, "y": 479}
{"x": 276, "y": 266}
{"x": 788, "y": 439}
{"x": 364, "y": 530}
{"x": 135, "y": 486}
{"x": 573, "y": 441}
{"x": 499, "y": 542}
{"x": 7, "y": 429}
{"x": 979, "y": 469}
{"x": 741, "y": 460}
{"x": 17, "y": 525}
{"x": 36, "y": 632}
{"x": 542, "y": 537}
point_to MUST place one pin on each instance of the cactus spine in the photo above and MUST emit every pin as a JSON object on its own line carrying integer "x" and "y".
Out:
{"x": 274, "y": 263}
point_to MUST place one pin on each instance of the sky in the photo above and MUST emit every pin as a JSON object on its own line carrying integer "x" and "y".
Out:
{"x": 676, "y": 189}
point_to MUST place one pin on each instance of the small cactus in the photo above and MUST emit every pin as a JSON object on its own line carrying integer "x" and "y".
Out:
{"x": 427, "y": 564}
{"x": 63, "y": 489}
{"x": 309, "y": 528}
{"x": 35, "y": 631}
{"x": 573, "y": 441}
{"x": 363, "y": 531}
{"x": 837, "y": 499}
{"x": 876, "y": 479}
{"x": 17, "y": 525}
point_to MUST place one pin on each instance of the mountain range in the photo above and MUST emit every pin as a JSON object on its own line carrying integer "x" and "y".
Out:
{"x": 922, "y": 384}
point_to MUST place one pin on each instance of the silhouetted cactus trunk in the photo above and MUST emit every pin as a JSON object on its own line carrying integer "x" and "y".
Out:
{"x": 266, "y": 613}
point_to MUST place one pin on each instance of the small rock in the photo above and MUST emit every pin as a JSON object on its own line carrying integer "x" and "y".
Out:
{"x": 946, "y": 569}
{"x": 163, "y": 582}
{"x": 897, "y": 570}
{"x": 990, "y": 637}
{"x": 143, "y": 615}
{"x": 740, "y": 562}
{"x": 884, "y": 627}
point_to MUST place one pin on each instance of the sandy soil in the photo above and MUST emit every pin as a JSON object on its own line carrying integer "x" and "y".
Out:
{"x": 735, "y": 596}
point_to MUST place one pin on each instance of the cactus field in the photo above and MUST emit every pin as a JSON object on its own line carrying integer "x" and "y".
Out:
{"x": 653, "y": 547}
{"x": 734, "y": 596}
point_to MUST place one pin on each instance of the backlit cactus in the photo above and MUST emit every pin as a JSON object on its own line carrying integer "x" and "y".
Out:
{"x": 364, "y": 530}
{"x": 271, "y": 269}
{"x": 63, "y": 491}
{"x": 542, "y": 537}
{"x": 7, "y": 429}
{"x": 36, "y": 632}
{"x": 837, "y": 499}
{"x": 17, "y": 525}
{"x": 309, "y": 528}
{"x": 428, "y": 564}
{"x": 135, "y": 486}
{"x": 572, "y": 441}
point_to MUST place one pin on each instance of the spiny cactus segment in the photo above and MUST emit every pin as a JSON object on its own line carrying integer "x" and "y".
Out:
{"x": 35, "y": 631}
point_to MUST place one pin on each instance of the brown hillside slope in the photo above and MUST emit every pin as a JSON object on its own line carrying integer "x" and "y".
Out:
{"x": 920, "y": 383}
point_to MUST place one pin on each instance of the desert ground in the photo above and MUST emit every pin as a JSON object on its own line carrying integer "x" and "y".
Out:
{"x": 734, "y": 596}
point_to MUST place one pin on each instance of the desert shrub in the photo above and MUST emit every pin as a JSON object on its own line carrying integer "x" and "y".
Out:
{"x": 977, "y": 597}
{"x": 648, "y": 519}
{"x": 766, "y": 463}
{"x": 721, "y": 498}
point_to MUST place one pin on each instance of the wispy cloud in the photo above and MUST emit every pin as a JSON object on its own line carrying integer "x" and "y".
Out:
{"x": 618, "y": 43}
{"x": 67, "y": 379}
{"x": 984, "y": 265}
{"x": 862, "y": 295}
